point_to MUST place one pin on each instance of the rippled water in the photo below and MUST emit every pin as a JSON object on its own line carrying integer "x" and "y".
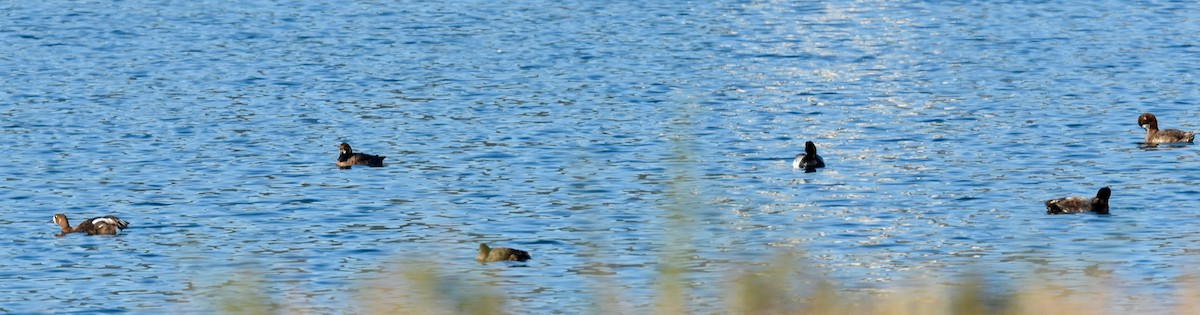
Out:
{"x": 602, "y": 137}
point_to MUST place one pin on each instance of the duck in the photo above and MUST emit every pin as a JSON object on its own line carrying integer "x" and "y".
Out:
{"x": 488, "y": 254}
{"x": 1080, "y": 204}
{"x": 348, "y": 158}
{"x": 106, "y": 225}
{"x": 809, "y": 160}
{"x": 1155, "y": 136}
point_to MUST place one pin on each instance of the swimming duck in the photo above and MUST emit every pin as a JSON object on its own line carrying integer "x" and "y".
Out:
{"x": 488, "y": 254}
{"x": 1155, "y": 136}
{"x": 99, "y": 225}
{"x": 348, "y": 158}
{"x": 1078, "y": 204}
{"x": 809, "y": 160}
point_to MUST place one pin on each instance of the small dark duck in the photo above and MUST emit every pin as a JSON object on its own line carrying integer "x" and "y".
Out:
{"x": 809, "y": 160}
{"x": 1080, "y": 204}
{"x": 488, "y": 254}
{"x": 348, "y": 158}
{"x": 1155, "y": 136}
{"x": 106, "y": 225}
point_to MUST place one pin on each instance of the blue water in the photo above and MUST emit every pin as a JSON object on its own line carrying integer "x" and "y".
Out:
{"x": 608, "y": 139}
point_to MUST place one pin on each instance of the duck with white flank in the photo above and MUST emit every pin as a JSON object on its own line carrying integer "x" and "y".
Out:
{"x": 809, "y": 160}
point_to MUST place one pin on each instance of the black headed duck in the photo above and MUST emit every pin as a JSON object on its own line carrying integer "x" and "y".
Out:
{"x": 488, "y": 254}
{"x": 1155, "y": 136}
{"x": 1079, "y": 204}
{"x": 348, "y": 158}
{"x": 809, "y": 160}
{"x": 95, "y": 226}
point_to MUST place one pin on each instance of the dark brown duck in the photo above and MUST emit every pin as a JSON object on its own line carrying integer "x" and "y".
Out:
{"x": 1080, "y": 204}
{"x": 809, "y": 160}
{"x": 488, "y": 254}
{"x": 348, "y": 158}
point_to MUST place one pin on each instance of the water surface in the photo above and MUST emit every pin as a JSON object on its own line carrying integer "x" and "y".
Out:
{"x": 605, "y": 138}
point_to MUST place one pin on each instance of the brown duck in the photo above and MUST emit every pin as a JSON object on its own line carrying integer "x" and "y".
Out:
{"x": 488, "y": 254}
{"x": 1154, "y": 136}
{"x": 1079, "y": 204}
{"x": 348, "y": 158}
{"x": 95, "y": 226}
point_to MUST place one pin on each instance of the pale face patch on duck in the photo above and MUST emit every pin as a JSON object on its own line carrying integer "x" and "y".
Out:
{"x": 1148, "y": 121}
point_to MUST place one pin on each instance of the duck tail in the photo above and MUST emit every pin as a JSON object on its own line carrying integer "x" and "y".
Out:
{"x": 1052, "y": 208}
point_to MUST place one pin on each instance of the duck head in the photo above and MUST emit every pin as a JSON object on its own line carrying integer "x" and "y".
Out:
{"x": 1148, "y": 121}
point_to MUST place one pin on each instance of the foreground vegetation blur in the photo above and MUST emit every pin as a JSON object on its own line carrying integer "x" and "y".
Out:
{"x": 779, "y": 288}
{"x": 783, "y": 285}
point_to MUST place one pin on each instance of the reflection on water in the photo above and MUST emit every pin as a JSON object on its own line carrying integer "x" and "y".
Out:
{"x": 610, "y": 141}
{"x": 1162, "y": 146}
